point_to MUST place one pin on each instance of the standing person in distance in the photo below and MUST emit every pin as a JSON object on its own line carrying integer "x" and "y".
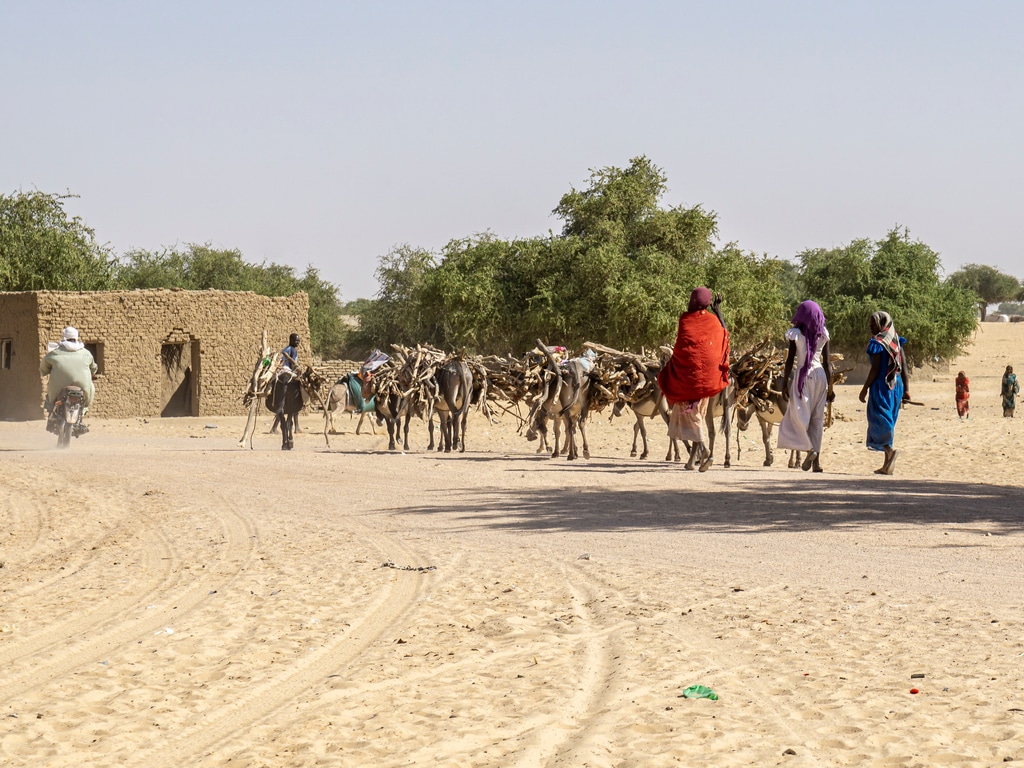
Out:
{"x": 1009, "y": 391}
{"x": 963, "y": 396}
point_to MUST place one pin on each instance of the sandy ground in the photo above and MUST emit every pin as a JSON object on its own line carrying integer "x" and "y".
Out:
{"x": 170, "y": 599}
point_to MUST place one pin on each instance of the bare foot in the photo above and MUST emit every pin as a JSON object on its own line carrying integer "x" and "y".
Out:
{"x": 891, "y": 464}
{"x": 809, "y": 460}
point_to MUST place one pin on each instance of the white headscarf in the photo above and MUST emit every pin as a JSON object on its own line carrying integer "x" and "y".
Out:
{"x": 69, "y": 340}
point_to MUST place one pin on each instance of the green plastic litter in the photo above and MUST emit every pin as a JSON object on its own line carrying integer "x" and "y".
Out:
{"x": 700, "y": 692}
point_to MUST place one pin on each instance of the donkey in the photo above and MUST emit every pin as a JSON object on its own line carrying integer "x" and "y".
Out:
{"x": 564, "y": 399}
{"x": 346, "y": 395}
{"x": 285, "y": 398}
{"x": 454, "y": 383}
{"x": 388, "y": 406}
{"x": 651, "y": 405}
{"x": 767, "y": 403}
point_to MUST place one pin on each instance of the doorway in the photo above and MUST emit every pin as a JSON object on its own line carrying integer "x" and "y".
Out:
{"x": 179, "y": 387}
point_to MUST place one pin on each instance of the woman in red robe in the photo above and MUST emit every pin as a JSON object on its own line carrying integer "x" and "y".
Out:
{"x": 697, "y": 371}
{"x": 963, "y": 396}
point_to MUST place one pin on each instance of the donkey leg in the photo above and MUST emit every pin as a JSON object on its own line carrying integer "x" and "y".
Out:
{"x": 636, "y": 431}
{"x": 766, "y": 438}
{"x": 287, "y": 427}
{"x": 570, "y": 439}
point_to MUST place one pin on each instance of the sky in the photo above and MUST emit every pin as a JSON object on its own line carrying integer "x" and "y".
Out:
{"x": 326, "y": 134}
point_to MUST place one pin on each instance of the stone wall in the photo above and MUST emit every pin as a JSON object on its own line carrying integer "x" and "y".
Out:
{"x": 332, "y": 370}
{"x": 166, "y": 352}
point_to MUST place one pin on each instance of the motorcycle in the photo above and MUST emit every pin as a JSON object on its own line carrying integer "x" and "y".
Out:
{"x": 65, "y": 419}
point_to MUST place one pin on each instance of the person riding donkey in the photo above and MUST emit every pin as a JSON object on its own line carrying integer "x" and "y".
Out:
{"x": 69, "y": 363}
{"x": 290, "y": 369}
{"x": 697, "y": 371}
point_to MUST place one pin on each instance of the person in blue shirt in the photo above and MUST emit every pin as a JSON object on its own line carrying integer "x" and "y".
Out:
{"x": 290, "y": 360}
{"x": 291, "y": 352}
{"x": 888, "y": 387}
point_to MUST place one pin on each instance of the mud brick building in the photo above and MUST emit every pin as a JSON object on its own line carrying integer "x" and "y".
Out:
{"x": 160, "y": 352}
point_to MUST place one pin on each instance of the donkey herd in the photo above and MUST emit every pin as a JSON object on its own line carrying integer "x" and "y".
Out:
{"x": 548, "y": 387}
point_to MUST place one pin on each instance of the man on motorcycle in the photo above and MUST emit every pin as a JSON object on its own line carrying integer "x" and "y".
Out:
{"x": 69, "y": 364}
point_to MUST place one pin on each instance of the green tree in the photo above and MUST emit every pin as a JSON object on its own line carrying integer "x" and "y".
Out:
{"x": 987, "y": 283}
{"x": 42, "y": 248}
{"x": 400, "y": 314}
{"x": 899, "y": 276}
{"x": 620, "y": 273}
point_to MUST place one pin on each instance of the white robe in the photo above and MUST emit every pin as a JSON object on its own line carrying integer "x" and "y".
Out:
{"x": 804, "y": 422}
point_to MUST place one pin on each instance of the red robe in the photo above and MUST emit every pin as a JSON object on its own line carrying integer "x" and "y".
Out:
{"x": 699, "y": 366}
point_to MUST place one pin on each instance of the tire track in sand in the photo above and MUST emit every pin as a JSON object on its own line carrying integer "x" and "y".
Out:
{"x": 203, "y": 734}
{"x": 568, "y": 738}
{"x": 23, "y": 519}
{"x": 58, "y": 649}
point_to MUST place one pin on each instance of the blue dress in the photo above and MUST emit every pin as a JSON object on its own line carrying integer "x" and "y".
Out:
{"x": 883, "y": 403}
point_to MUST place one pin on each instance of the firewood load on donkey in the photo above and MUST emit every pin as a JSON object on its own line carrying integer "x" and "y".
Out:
{"x": 379, "y": 378}
{"x": 563, "y": 400}
{"x": 417, "y": 380}
{"x": 632, "y": 380}
{"x": 761, "y": 396}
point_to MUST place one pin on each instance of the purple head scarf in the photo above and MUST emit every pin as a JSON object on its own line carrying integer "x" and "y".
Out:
{"x": 811, "y": 321}
{"x": 700, "y": 299}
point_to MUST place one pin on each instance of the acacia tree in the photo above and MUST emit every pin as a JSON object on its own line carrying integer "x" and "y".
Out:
{"x": 620, "y": 272}
{"x": 989, "y": 285}
{"x": 42, "y": 248}
{"x": 896, "y": 275}
{"x": 400, "y": 313}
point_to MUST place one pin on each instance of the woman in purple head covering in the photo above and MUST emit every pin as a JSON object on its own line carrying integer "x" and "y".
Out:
{"x": 808, "y": 389}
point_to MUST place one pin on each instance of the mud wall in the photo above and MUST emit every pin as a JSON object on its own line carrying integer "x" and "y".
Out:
{"x": 167, "y": 352}
{"x": 20, "y": 387}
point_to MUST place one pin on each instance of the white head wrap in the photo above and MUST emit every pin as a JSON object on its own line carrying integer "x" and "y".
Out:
{"x": 69, "y": 339}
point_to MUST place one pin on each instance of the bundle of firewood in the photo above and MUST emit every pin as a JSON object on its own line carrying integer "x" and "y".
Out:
{"x": 519, "y": 380}
{"x": 620, "y": 376}
{"x": 755, "y": 372}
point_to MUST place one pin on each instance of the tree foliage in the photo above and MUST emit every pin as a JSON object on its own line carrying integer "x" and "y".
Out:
{"x": 42, "y": 248}
{"x": 620, "y": 273}
{"x": 988, "y": 284}
{"x": 896, "y": 275}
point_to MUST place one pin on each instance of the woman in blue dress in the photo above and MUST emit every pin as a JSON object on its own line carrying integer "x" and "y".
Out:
{"x": 887, "y": 386}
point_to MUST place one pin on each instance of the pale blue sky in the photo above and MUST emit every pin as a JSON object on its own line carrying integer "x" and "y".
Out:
{"x": 326, "y": 133}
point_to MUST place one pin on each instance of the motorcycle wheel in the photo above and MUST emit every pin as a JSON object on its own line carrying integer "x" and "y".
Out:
{"x": 64, "y": 438}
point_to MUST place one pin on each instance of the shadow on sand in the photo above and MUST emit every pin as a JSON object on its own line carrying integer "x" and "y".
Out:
{"x": 743, "y": 504}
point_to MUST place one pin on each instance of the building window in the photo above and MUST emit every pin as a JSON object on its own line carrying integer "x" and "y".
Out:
{"x": 96, "y": 347}
{"x": 5, "y": 353}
